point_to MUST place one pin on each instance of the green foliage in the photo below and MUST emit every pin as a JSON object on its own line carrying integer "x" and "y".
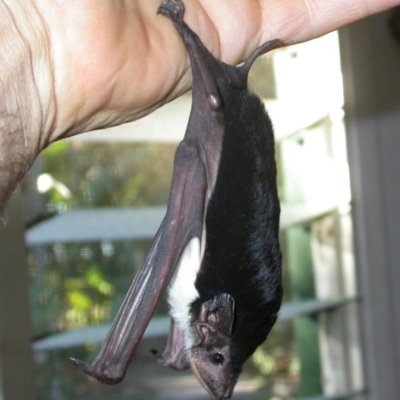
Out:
{"x": 115, "y": 174}
{"x": 75, "y": 285}
{"x": 78, "y": 284}
{"x": 265, "y": 362}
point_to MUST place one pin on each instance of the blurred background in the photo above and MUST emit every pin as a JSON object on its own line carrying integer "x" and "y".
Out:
{"x": 85, "y": 217}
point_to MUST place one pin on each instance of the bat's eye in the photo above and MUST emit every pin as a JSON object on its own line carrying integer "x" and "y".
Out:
{"x": 217, "y": 358}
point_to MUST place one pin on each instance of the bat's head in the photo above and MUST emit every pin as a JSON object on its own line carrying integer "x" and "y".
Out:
{"x": 211, "y": 355}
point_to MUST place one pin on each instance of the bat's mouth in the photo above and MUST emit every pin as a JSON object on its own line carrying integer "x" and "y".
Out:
{"x": 214, "y": 392}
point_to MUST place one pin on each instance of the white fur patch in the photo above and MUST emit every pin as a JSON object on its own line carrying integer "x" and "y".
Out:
{"x": 182, "y": 291}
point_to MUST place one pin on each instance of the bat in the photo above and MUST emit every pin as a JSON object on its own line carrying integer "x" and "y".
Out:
{"x": 218, "y": 242}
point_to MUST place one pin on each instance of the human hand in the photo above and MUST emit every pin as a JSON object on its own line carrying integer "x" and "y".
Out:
{"x": 116, "y": 61}
{"x": 78, "y": 65}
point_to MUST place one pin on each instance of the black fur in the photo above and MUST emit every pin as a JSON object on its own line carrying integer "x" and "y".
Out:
{"x": 242, "y": 256}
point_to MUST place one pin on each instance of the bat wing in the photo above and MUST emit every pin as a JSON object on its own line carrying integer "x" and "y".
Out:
{"x": 183, "y": 221}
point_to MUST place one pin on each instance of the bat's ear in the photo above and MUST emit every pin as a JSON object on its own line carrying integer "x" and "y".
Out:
{"x": 217, "y": 315}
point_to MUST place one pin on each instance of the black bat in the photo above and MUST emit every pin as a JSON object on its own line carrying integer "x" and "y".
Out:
{"x": 219, "y": 236}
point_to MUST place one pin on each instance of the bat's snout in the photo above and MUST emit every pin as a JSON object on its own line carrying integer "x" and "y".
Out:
{"x": 217, "y": 383}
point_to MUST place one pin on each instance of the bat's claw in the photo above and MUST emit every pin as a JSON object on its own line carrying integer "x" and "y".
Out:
{"x": 85, "y": 367}
{"x": 158, "y": 357}
{"x": 172, "y": 9}
{"x": 102, "y": 376}
{"x": 80, "y": 364}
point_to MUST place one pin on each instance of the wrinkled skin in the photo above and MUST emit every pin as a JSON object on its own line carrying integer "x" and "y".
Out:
{"x": 116, "y": 47}
{"x": 78, "y": 65}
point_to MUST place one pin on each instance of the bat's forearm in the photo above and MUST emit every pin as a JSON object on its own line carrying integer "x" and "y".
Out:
{"x": 25, "y": 87}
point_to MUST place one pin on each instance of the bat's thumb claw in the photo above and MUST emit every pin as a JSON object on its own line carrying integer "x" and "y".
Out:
{"x": 158, "y": 356}
{"x": 85, "y": 367}
{"x": 108, "y": 376}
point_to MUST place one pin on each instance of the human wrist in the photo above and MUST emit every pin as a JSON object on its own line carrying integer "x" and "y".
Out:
{"x": 27, "y": 81}
{"x": 27, "y": 107}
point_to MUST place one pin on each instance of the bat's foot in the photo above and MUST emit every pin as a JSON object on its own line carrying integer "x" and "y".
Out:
{"x": 92, "y": 370}
{"x": 158, "y": 356}
{"x": 178, "y": 361}
{"x": 172, "y": 9}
